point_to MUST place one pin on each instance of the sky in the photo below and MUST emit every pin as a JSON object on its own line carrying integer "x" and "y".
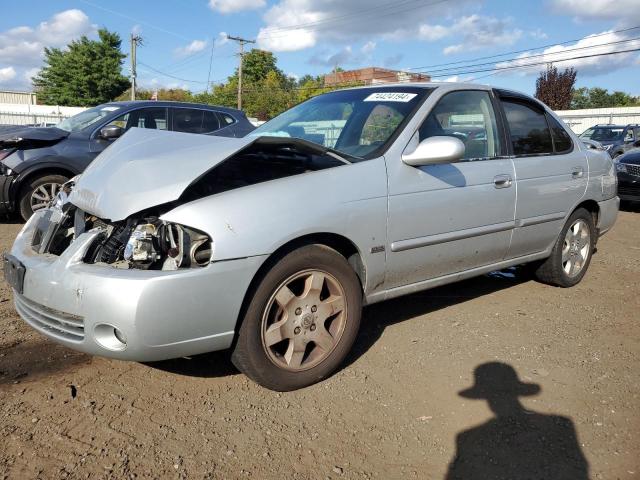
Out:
{"x": 453, "y": 40}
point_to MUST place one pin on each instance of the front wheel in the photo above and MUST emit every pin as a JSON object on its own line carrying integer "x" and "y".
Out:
{"x": 38, "y": 193}
{"x": 301, "y": 321}
{"x": 571, "y": 254}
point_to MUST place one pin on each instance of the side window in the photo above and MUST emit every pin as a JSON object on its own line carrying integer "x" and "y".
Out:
{"x": 154, "y": 117}
{"x": 628, "y": 137}
{"x": 469, "y": 116}
{"x": 191, "y": 120}
{"x": 530, "y": 134}
{"x": 561, "y": 140}
{"x": 225, "y": 119}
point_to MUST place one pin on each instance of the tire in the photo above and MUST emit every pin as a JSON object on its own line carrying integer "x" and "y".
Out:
{"x": 574, "y": 257}
{"x": 282, "y": 342}
{"x": 38, "y": 185}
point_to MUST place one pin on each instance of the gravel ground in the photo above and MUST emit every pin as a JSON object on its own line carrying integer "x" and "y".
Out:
{"x": 393, "y": 411}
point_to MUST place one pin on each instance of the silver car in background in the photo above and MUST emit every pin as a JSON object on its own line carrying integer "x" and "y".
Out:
{"x": 174, "y": 244}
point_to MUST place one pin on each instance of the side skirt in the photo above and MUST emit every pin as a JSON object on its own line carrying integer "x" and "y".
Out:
{"x": 451, "y": 278}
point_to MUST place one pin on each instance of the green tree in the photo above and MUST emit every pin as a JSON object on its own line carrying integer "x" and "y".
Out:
{"x": 597, "y": 97}
{"x": 86, "y": 73}
{"x": 555, "y": 88}
{"x": 169, "y": 94}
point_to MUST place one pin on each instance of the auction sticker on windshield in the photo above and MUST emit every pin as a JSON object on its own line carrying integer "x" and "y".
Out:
{"x": 390, "y": 97}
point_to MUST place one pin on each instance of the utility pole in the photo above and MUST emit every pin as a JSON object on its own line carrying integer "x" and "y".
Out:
{"x": 135, "y": 41}
{"x": 241, "y": 42}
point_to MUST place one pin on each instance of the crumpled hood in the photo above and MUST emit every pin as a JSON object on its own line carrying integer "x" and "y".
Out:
{"x": 145, "y": 168}
{"x": 15, "y": 135}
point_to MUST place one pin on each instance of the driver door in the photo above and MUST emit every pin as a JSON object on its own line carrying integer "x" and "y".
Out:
{"x": 453, "y": 217}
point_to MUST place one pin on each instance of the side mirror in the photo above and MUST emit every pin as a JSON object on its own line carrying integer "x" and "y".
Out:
{"x": 111, "y": 132}
{"x": 432, "y": 150}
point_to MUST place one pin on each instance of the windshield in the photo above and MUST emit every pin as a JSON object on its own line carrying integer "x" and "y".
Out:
{"x": 357, "y": 122}
{"x": 603, "y": 134}
{"x": 83, "y": 119}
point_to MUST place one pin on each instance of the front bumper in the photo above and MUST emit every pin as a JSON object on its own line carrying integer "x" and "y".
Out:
{"x": 160, "y": 314}
{"x": 628, "y": 186}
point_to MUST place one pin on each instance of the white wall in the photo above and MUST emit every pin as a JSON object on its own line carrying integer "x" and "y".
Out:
{"x": 580, "y": 120}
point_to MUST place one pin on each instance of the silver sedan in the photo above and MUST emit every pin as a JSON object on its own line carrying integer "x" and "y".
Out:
{"x": 175, "y": 244}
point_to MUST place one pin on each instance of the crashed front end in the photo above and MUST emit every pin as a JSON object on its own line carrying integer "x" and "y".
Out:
{"x": 139, "y": 289}
{"x": 105, "y": 271}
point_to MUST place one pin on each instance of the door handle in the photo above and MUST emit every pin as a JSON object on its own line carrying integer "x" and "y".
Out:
{"x": 577, "y": 172}
{"x": 502, "y": 181}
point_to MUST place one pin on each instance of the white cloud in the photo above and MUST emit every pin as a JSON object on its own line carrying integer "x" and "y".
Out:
{"x": 233, "y": 6}
{"x": 473, "y": 32}
{"x": 626, "y": 11}
{"x": 393, "y": 60}
{"x": 6, "y": 74}
{"x": 538, "y": 34}
{"x": 194, "y": 47}
{"x": 368, "y": 47}
{"x": 221, "y": 40}
{"x": 584, "y": 66}
{"x": 292, "y": 25}
{"x": 22, "y": 47}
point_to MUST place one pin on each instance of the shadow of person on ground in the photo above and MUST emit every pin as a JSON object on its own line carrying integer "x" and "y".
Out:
{"x": 516, "y": 444}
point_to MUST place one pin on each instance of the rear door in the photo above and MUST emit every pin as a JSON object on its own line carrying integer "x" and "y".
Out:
{"x": 453, "y": 217}
{"x": 551, "y": 173}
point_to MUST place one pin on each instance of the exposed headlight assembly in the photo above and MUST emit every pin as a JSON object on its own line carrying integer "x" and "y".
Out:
{"x": 621, "y": 167}
{"x": 167, "y": 246}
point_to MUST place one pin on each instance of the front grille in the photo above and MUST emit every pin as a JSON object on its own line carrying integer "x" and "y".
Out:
{"x": 629, "y": 190}
{"x": 633, "y": 169}
{"x": 59, "y": 324}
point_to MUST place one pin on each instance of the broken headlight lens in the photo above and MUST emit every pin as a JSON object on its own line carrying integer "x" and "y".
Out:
{"x": 167, "y": 246}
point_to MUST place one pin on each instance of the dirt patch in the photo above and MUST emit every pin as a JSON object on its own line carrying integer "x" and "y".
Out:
{"x": 393, "y": 411}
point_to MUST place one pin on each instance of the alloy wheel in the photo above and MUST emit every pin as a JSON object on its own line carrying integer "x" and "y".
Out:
{"x": 304, "y": 320}
{"x": 576, "y": 248}
{"x": 43, "y": 195}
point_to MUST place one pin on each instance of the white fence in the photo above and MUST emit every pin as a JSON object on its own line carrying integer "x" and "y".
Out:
{"x": 41, "y": 115}
{"x": 580, "y": 120}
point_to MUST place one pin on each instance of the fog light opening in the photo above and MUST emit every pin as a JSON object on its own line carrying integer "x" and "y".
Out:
{"x": 110, "y": 337}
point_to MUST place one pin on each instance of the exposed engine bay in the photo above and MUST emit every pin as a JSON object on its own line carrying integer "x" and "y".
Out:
{"x": 146, "y": 243}
{"x": 268, "y": 158}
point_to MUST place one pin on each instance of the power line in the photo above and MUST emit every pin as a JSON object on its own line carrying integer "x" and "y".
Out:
{"x": 363, "y": 13}
{"x": 514, "y": 52}
{"x": 113, "y": 12}
{"x": 359, "y": 13}
{"x": 169, "y": 75}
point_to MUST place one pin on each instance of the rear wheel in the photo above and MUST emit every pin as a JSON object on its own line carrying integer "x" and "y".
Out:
{"x": 38, "y": 193}
{"x": 301, "y": 321}
{"x": 571, "y": 254}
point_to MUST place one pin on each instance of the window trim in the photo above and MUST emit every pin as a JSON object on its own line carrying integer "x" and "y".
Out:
{"x": 502, "y": 147}
{"x": 503, "y": 96}
{"x": 215, "y": 113}
{"x": 94, "y": 135}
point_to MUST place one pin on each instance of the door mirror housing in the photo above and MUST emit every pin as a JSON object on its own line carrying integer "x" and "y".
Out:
{"x": 111, "y": 132}
{"x": 433, "y": 150}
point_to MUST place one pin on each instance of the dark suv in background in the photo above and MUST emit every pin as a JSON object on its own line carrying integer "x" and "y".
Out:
{"x": 616, "y": 139}
{"x": 36, "y": 161}
{"x": 628, "y": 168}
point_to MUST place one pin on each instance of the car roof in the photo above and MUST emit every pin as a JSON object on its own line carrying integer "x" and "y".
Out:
{"x": 168, "y": 103}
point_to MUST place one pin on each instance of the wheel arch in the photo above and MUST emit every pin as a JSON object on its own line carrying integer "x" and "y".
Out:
{"x": 337, "y": 242}
{"x": 592, "y": 207}
{"x": 40, "y": 170}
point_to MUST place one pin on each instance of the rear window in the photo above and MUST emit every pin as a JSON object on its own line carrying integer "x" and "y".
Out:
{"x": 530, "y": 133}
{"x": 191, "y": 120}
{"x": 561, "y": 140}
